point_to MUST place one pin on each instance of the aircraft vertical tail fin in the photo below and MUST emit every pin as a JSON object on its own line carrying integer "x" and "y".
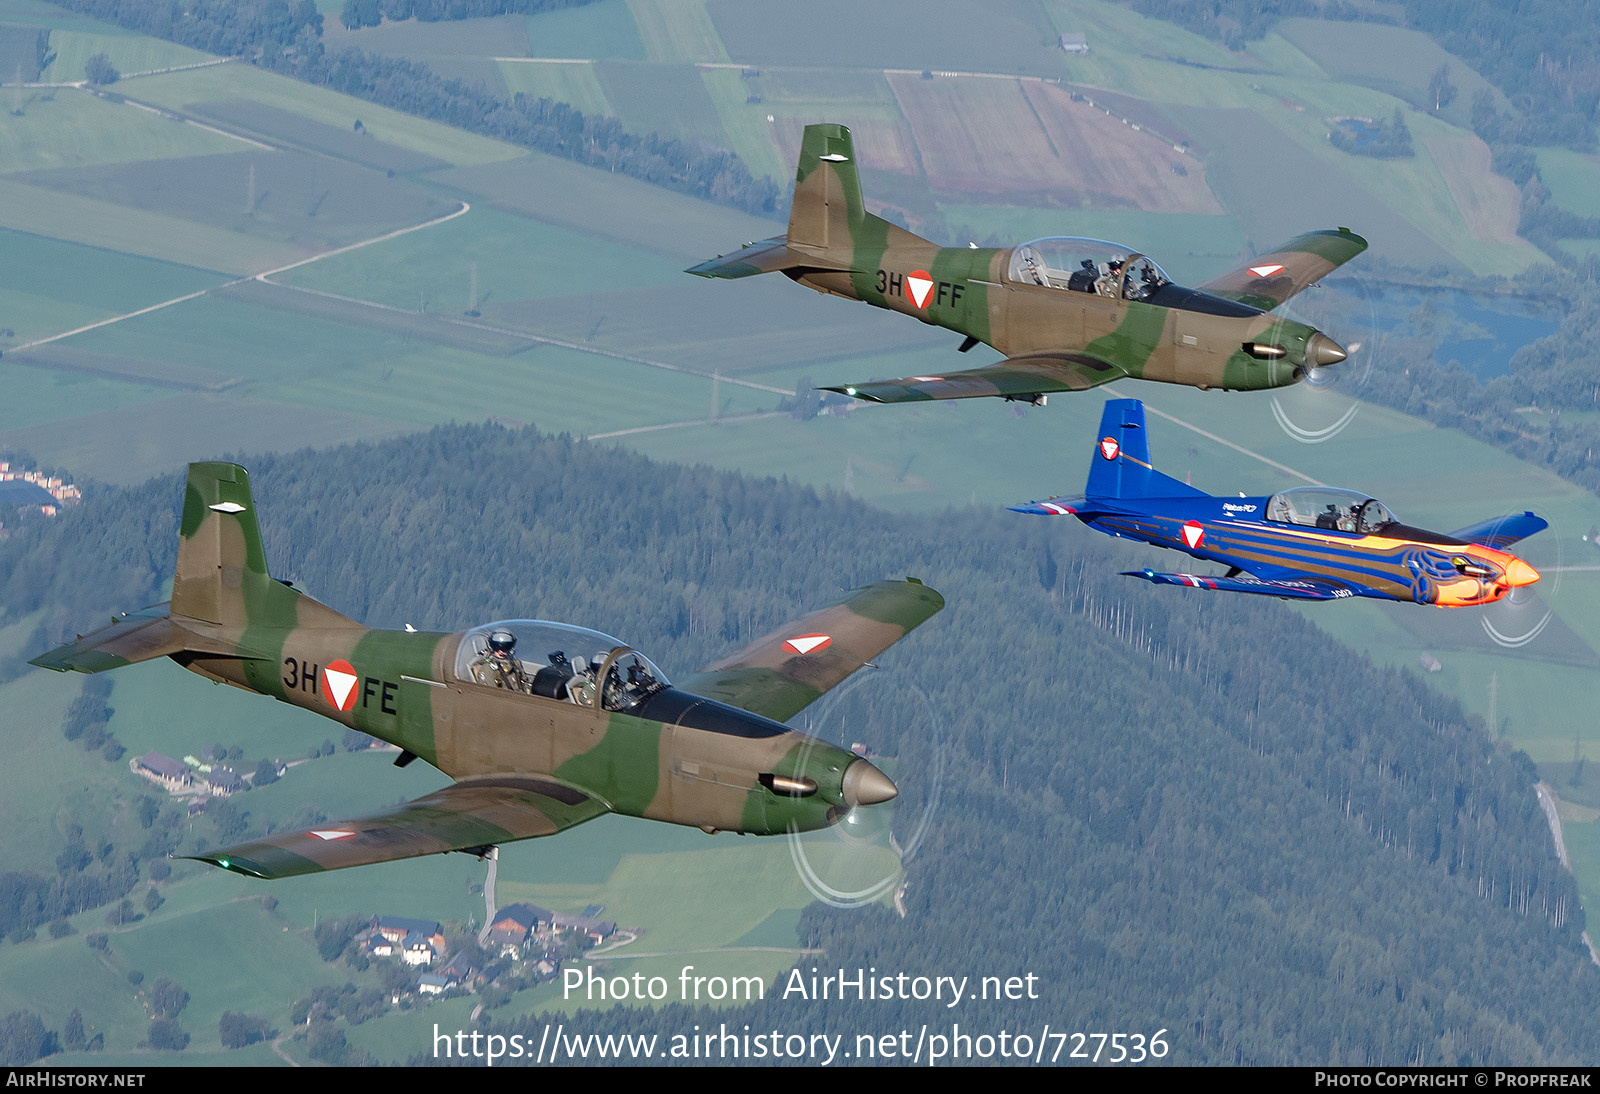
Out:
{"x": 222, "y": 568}
{"x": 220, "y": 590}
{"x": 827, "y": 190}
{"x": 1121, "y": 467}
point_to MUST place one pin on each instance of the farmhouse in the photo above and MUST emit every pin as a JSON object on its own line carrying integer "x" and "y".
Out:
{"x": 597, "y": 929}
{"x": 414, "y": 941}
{"x": 166, "y": 772}
{"x": 513, "y": 925}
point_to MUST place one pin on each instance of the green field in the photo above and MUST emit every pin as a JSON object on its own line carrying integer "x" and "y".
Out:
{"x": 495, "y": 36}
{"x": 61, "y": 127}
{"x": 41, "y": 13}
{"x": 435, "y": 266}
{"x": 1391, "y": 59}
{"x": 656, "y": 98}
{"x": 92, "y": 277}
{"x": 942, "y": 34}
{"x": 129, "y": 53}
{"x": 1573, "y": 179}
{"x": 40, "y": 211}
{"x": 744, "y": 125}
{"x": 221, "y": 83}
{"x": 603, "y": 29}
{"x": 677, "y": 31}
{"x": 306, "y": 201}
{"x": 286, "y": 127}
{"x": 576, "y": 84}
{"x": 611, "y": 208}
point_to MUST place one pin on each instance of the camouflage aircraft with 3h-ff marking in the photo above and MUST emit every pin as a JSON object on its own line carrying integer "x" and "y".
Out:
{"x": 1308, "y": 543}
{"x": 1069, "y": 314}
{"x": 542, "y": 725}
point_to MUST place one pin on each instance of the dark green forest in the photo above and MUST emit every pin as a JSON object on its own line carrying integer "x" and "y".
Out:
{"x": 1177, "y": 811}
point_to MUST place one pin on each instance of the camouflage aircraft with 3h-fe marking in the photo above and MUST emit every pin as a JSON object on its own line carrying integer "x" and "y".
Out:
{"x": 1308, "y": 543}
{"x": 1068, "y": 313}
{"x": 535, "y": 746}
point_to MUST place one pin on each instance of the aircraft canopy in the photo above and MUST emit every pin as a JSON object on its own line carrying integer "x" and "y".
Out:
{"x": 1086, "y": 265}
{"x": 1326, "y": 507}
{"x": 558, "y": 661}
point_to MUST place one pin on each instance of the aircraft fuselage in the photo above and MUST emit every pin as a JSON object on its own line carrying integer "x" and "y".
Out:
{"x": 696, "y": 762}
{"x": 1178, "y": 335}
{"x": 1393, "y": 562}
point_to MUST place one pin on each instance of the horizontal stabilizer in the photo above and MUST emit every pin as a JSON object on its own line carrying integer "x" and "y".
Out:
{"x": 467, "y": 816}
{"x": 139, "y": 636}
{"x": 1269, "y": 280}
{"x": 1501, "y": 532}
{"x": 1013, "y": 378}
{"x": 779, "y": 675}
{"x": 767, "y": 256}
{"x": 1294, "y": 590}
{"x": 1054, "y": 507}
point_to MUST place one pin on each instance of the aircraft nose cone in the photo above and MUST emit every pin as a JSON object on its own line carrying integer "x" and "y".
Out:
{"x": 1519, "y": 573}
{"x": 866, "y": 785}
{"x": 1322, "y": 351}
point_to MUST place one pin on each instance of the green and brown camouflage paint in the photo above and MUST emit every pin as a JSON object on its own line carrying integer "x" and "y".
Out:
{"x": 1219, "y": 336}
{"x": 525, "y": 765}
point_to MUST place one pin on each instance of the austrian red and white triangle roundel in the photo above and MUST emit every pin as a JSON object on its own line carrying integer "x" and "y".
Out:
{"x": 808, "y": 643}
{"x": 1194, "y": 534}
{"x": 919, "y": 286}
{"x": 339, "y": 684}
{"x": 1109, "y": 447}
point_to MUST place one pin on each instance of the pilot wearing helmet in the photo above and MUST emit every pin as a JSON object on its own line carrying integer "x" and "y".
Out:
{"x": 499, "y": 665}
{"x": 581, "y": 689}
{"x": 1110, "y": 281}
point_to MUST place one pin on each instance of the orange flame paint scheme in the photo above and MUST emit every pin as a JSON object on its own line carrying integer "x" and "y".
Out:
{"x": 1310, "y": 543}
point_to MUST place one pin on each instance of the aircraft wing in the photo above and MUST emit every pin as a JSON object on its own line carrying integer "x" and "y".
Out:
{"x": 1015, "y": 377}
{"x": 1268, "y": 281}
{"x": 472, "y": 815}
{"x": 786, "y": 671}
{"x": 1294, "y": 589}
{"x": 1501, "y": 532}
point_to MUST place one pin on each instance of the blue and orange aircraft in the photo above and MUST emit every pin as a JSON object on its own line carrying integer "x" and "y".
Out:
{"x": 1311, "y": 542}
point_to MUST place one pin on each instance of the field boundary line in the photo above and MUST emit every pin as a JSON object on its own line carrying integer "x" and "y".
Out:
{"x": 466, "y": 208}
{"x": 115, "y": 319}
{"x": 175, "y": 68}
{"x": 1236, "y": 447}
{"x": 235, "y": 136}
{"x": 527, "y": 336}
{"x": 163, "y": 112}
{"x": 241, "y": 280}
